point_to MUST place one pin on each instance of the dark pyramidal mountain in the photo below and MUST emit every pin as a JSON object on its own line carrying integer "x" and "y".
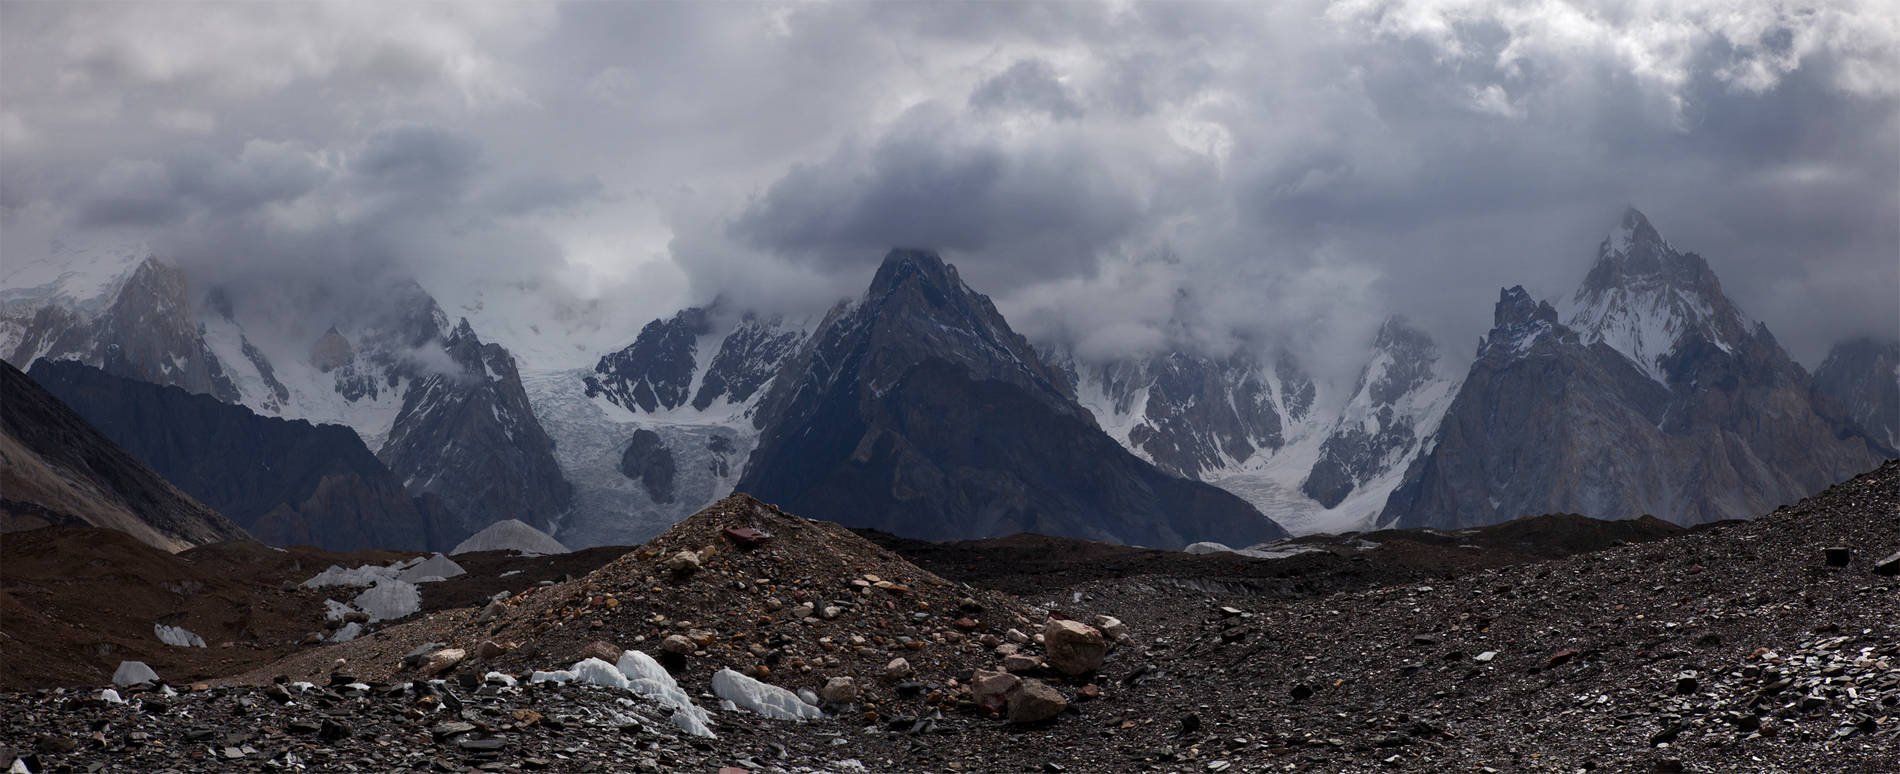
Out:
{"x": 1654, "y": 396}
{"x": 57, "y": 470}
{"x": 287, "y": 482}
{"x": 1862, "y": 377}
{"x": 917, "y": 410}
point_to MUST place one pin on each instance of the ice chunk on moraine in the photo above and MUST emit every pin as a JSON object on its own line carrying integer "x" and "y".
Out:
{"x": 133, "y": 673}
{"x": 598, "y": 672}
{"x": 647, "y": 678}
{"x": 336, "y": 611}
{"x": 177, "y": 636}
{"x": 389, "y": 598}
{"x": 350, "y": 631}
{"x": 558, "y": 677}
{"x": 768, "y": 700}
{"x": 434, "y": 568}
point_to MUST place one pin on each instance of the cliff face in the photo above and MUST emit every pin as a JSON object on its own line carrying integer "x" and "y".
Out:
{"x": 1861, "y": 377}
{"x": 286, "y": 481}
{"x": 919, "y": 411}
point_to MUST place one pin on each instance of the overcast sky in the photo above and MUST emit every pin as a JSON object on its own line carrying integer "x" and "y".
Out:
{"x": 1280, "y": 173}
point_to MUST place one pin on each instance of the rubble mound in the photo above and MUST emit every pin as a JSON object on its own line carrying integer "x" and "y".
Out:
{"x": 789, "y": 601}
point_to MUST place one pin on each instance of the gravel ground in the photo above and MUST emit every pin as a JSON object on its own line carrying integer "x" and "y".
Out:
{"x": 1731, "y": 648}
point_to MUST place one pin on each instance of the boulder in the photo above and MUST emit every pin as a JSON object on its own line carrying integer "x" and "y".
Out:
{"x": 991, "y": 689}
{"x": 683, "y": 563}
{"x": 1889, "y": 566}
{"x": 1112, "y": 627}
{"x": 1035, "y": 700}
{"x": 601, "y": 649}
{"x": 1074, "y": 648}
{"x": 1021, "y": 662}
{"x": 839, "y": 690}
{"x": 443, "y": 660}
{"x": 675, "y": 643}
{"x": 489, "y": 649}
{"x": 898, "y": 669}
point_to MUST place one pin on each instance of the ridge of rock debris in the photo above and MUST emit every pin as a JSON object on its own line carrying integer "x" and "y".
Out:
{"x": 1763, "y": 646}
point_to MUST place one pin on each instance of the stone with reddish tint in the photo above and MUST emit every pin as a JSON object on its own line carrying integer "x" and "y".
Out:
{"x": 991, "y": 689}
{"x": 601, "y": 649}
{"x": 1074, "y": 648}
{"x": 1034, "y": 701}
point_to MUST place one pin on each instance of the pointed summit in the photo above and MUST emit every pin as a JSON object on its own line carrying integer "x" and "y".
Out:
{"x": 1633, "y": 234}
{"x": 1643, "y": 296}
{"x": 904, "y": 264}
{"x": 1517, "y": 307}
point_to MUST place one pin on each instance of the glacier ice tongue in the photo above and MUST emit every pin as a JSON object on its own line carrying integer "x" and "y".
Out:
{"x": 764, "y": 699}
{"x": 177, "y": 636}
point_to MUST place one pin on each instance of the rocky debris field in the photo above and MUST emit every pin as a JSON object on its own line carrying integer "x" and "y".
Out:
{"x": 1314, "y": 564}
{"x": 75, "y": 601}
{"x": 1763, "y": 646}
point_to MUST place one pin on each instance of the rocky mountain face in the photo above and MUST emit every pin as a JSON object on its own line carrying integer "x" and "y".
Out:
{"x": 661, "y": 427}
{"x": 467, "y": 434}
{"x": 1395, "y": 405}
{"x": 1862, "y": 377}
{"x": 1189, "y": 414}
{"x": 1655, "y": 397}
{"x": 287, "y": 482}
{"x": 446, "y": 412}
{"x": 57, "y": 470}
{"x": 148, "y": 332}
{"x": 1308, "y": 456}
{"x": 918, "y": 411}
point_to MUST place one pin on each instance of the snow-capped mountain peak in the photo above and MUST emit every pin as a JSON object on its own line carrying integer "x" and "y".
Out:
{"x": 1643, "y": 297}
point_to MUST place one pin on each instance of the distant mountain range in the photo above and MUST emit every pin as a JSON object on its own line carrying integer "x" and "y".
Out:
{"x": 916, "y": 409}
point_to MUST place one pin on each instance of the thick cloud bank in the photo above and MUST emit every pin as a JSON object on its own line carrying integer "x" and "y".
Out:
{"x": 1120, "y": 176}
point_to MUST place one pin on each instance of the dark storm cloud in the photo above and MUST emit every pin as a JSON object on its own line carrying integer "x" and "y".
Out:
{"x": 1119, "y": 176}
{"x": 1030, "y": 84}
{"x": 929, "y": 182}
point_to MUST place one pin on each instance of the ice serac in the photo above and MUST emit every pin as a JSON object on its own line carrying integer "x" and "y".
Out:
{"x": 58, "y": 470}
{"x": 917, "y": 410}
{"x": 1396, "y": 403}
{"x": 467, "y": 434}
{"x": 287, "y": 482}
{"x": 1862, "y": 378}
{"x": 1658, "y": 398}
